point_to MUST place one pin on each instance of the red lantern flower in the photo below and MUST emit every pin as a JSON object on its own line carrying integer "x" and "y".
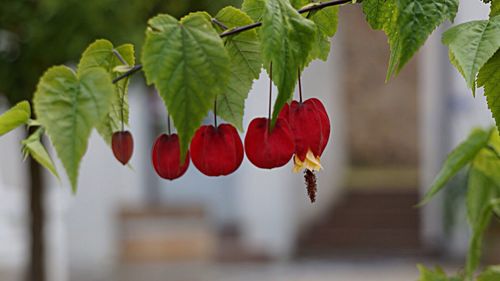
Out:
{"x": 122, "y": 145}
{"x": 269, "y": 149}
{"x": 166, "y": 157}
{"x": 311, "y": 130}
{"x": 217, "y": 151}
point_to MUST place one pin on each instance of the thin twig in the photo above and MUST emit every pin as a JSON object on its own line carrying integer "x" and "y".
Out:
{"x": 220, "y": 24}
{"x": 314, "y": 7}
{"x": 229, "y": 32}
{"x": 322, "y": 5}
{"x": 119, "y": 56}
{"x": 300, "y": 86}
{"x": 128, "y": 73}
{"x": 270, "y": 95}
{"x": 240, "y": 29}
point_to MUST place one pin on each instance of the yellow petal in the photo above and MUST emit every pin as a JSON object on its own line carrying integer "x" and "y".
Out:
{"x": 311, "y": 163}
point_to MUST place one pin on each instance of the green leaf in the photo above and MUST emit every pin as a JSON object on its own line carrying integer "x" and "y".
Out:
{"x": 34, "y": 147}
{"x": 254, "y": 9}
{"x": 476, "y": 241}
{"x": 496, "y": 206}
{"x": 187, "y": 62}
{"x": 326, "y": 21}
{"x": 101, "y": 54}
{"x": 489, "y": 77}
{"x": 416, "y": 21}
{"x": 15, "y": 117}
{"x": 287, "y": 39}
{"x": 437, "y": 274}
{"x": 490, "y": 274}
{"x": 379, "y": 13}
{"x": 495, "y": 8}
{"x": 480, "y": 190}
{"x": 457, "y": 159}
{"x": 297, "y": 4}
{"x": 245, "y": 64}
{"x": 487, "y": 161}
{"x": 68, "y": 106}
{"x": 407, "y": 24}
{"x": 455, "y": 62}
{"x": 473, "y": 44}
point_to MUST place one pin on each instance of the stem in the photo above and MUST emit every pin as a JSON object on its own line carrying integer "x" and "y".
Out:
{"x": 168, "y": 125}
{"x": 215, "y": 113}
{"x": 35, "y": 270}
{"x": 314, "y": 7}
{"x": 300, "y": 87}
{"x": 270, "y": 95}
{"x": 240, "y": 29}
{"x": 122, "y": 102}
{"x": 220, "y": 24}
{"x": 119, "y": 56}
{"x": 322, "y": 5}
{"x": 129, "y": 73}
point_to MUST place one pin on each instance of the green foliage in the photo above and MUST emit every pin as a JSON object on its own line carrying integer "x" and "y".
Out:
{"x": 101, "y": 54}
{"x": 456, "y": 160}
{"x": 407, "y": 24}
{"x": 34, "y": 147}
{"x": 472, "y": 45}
{"x": 286, "y": 40}
{"x": 16, "y": 116}
{"x": 380, "y": 13}
{"x": 38, "y": 34}
{"x": 254, "y": 9}
{"x": 245, "y": 66}
{"x": 480, "y": 191}
{"x": 69, "y": 106}
{"x": 490, "y": 274}
{"x": 481, "y": 149}
{"x": 437, "y": 274}
{"x": 416, "y": 21}
{"x": 297, "y": 4}
{"x": 326, "y": 21}
{"x": 488, "y": 77}
{"x": 187, "y": 62}
{"x": 495, "y": 8}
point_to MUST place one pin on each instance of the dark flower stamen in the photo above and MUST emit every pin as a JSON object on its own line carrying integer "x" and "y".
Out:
{"x": 311, "y": 185}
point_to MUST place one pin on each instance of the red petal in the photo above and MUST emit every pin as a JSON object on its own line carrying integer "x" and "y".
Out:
{"x": 122, "y": 145}
{"x": 325, "y": 123}
{"x": 285, "y": 112}
{"x": 310, "y": 126}
{"x": 166, "y": 157}
{"x": 266, "y": 149}
{"x": 217, "y": 152}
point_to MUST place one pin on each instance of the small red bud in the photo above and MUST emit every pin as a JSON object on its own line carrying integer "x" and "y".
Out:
{"x": 166, "y": 157}
{"x": 217, "y": 151}
{"x": 310, "y": 126}
{"x": 122, "y": 144}
{"x": 269, "y": 149}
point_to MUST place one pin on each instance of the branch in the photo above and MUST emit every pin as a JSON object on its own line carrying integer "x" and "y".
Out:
{"x": 128, "y": 73}
{"x": 310, "y": 8}
{"x": 313, "y": 7}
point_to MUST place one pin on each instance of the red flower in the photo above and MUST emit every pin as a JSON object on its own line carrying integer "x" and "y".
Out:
{"x": 216, "y": 151}
{"x": 269, "y": 149}
{"x": 122, "y": 145}
{"x": 166, "y": 157}
{"x": 311, "y": 130}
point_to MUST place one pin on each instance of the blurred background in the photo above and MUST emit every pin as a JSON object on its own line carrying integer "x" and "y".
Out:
{"x": 387, "y": 144}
